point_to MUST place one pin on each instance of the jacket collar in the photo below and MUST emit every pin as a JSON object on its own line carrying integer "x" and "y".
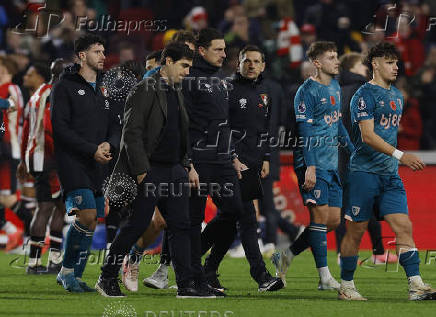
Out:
{"x": 201, "y": 64}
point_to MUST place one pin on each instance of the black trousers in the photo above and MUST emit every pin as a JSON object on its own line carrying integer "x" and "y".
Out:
{"x": 221, "y": 183}
{"x": 219, "y": 235}
{"x": 168, "y": 187}
{"x": 273, "y": 217}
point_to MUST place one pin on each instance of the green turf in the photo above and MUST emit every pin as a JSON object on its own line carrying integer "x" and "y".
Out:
{"x": 22, "y": 295}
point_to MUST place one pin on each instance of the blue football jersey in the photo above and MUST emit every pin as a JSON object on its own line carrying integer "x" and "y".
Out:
{"x": 320, "y": 106}
{"x": 385, "y": 106}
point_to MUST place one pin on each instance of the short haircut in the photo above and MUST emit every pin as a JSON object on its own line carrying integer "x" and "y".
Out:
{"x": 184, "y": 36}
{"x": 206, "y": 36}
{"x": 9, "y": 64}
{"x": 135, "y": 67}
{"x": 383, "y": 49}
{"x": 349, "y": 60}
{"x": 85, "y": 41}
{"x": 251, "y": 48}
{"x": 176, "y": 51}
{"x": 43, "y": 70}
{"x": 155, "y": 54}
{"x": 320, "y": 47}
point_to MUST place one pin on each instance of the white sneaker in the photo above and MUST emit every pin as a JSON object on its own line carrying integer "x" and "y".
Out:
{"x": 237, "y": 252}
{"x": 281, "y": 261}
{"x": 330, "y": 284}
{"x": 159, "y": 279}
{"x": 421, "y": 291}
{"x": 349, "y": 293}
{"x": 130, "y": 273}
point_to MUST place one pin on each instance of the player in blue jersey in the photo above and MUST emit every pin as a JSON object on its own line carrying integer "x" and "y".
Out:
{"x": 374, "y": 181}
{"x": 320, "y": 131}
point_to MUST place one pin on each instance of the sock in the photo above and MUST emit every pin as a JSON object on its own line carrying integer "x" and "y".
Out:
{"x": 65, "y": 271}
{"x": 410, "y": 262}
{"x": 36, "y": 244}
{"x": 302, "y": 243}
{"x": 348, "y": 284}
{"x": 55, "y": 240}
{"x": 324, "y": 273}
{"x": 163, "y": 268}
{"x": 415, "y": 280}
{"x": 348, "y": 266}
{"x": 84, "y": 251}
{"x": 318, "y": 243}
{"x": 73, "y": 240}
{"x": 135, "y": 255}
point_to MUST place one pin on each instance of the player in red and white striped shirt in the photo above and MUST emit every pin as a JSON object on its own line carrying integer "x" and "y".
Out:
{"x": 37, "y": 153}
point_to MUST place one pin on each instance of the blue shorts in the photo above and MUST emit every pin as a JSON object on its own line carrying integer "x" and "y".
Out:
{"x": 327, "y": 190}
{"x": 84, "y": 198}
{"x": 372, "y": 193}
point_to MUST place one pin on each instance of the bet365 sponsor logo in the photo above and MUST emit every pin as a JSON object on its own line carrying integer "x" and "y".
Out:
{"x": 393, "y": 120}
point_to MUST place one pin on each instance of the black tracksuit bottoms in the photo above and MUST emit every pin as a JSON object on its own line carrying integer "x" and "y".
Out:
{"x": 167, "y": 187}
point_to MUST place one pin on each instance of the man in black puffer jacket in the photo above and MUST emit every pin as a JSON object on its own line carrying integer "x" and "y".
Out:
{"x": 84, "y": 137}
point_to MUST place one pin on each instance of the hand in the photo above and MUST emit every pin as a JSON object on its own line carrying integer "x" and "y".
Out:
{"x": 412, "y": 161}
{"x": 427, "y": 76}
{"x": 106, "y": 148}
{"x": 102, "y": 156}
{"x": 310, "y": 178}
{"x": 265, "y": 169}
{"x": 22, "y": 173}
{"x": 13, "y": 104}
{"x": 140, "y": 178}
{"x": 239, "y": 167}
{"x": 194, "y": 180}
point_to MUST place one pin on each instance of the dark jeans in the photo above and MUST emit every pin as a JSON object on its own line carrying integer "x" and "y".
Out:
{"x": 221, "y": 237}
{"x": 222, "y": 185}
{"x": 173, "y": 202}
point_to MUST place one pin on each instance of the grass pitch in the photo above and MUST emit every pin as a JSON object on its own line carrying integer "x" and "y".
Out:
{"x": 22, "y": 295}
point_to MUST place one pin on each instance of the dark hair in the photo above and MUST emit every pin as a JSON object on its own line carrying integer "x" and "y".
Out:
{"x": 252, "y": 48}
{"x": 184, "y": 36}
{"x": 135, "y": 67}
{"x": 383, "y": 49}
{"x": 56, "y": 68}
{"x": 43, "y": 70}
{"x": 206, "y": 36}
{"x": 349, "y": 60}
{"x": 85, "y": 41}
{"x": 155, "y": 54}
{"x": 176, "y": 51}
{"x": 320, "y": 47}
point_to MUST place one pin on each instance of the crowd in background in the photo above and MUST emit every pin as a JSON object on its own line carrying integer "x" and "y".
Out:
{"x": 45, "y": 30}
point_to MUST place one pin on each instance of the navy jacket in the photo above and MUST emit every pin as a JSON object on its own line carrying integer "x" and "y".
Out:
{"x": 81, "y": 120}
{"x": 249, "y": 105}
{"x": 206, "y": 98}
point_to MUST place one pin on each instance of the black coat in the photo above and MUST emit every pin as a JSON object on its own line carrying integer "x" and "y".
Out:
{"x": 249, "y": 104}
{"x": 145, "y": 117}
{"x": 206, "y": 99}
{"x": 350, "y": 83}
{"x": 81, "y": 120}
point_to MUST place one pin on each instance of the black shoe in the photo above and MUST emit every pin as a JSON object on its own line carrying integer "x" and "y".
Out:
{"x": 108, "y": 287}
{"x": 212, "y": 280}
{"x": 36, "y": 270}
{"x": 53, "y": 268}
{"x": 218, "y": 293}
{"x": 269, "y": 283}
{"x": 194, "y": 291}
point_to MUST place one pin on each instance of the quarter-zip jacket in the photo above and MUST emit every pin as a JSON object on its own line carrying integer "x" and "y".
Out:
{"x": 81, "y": 120}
